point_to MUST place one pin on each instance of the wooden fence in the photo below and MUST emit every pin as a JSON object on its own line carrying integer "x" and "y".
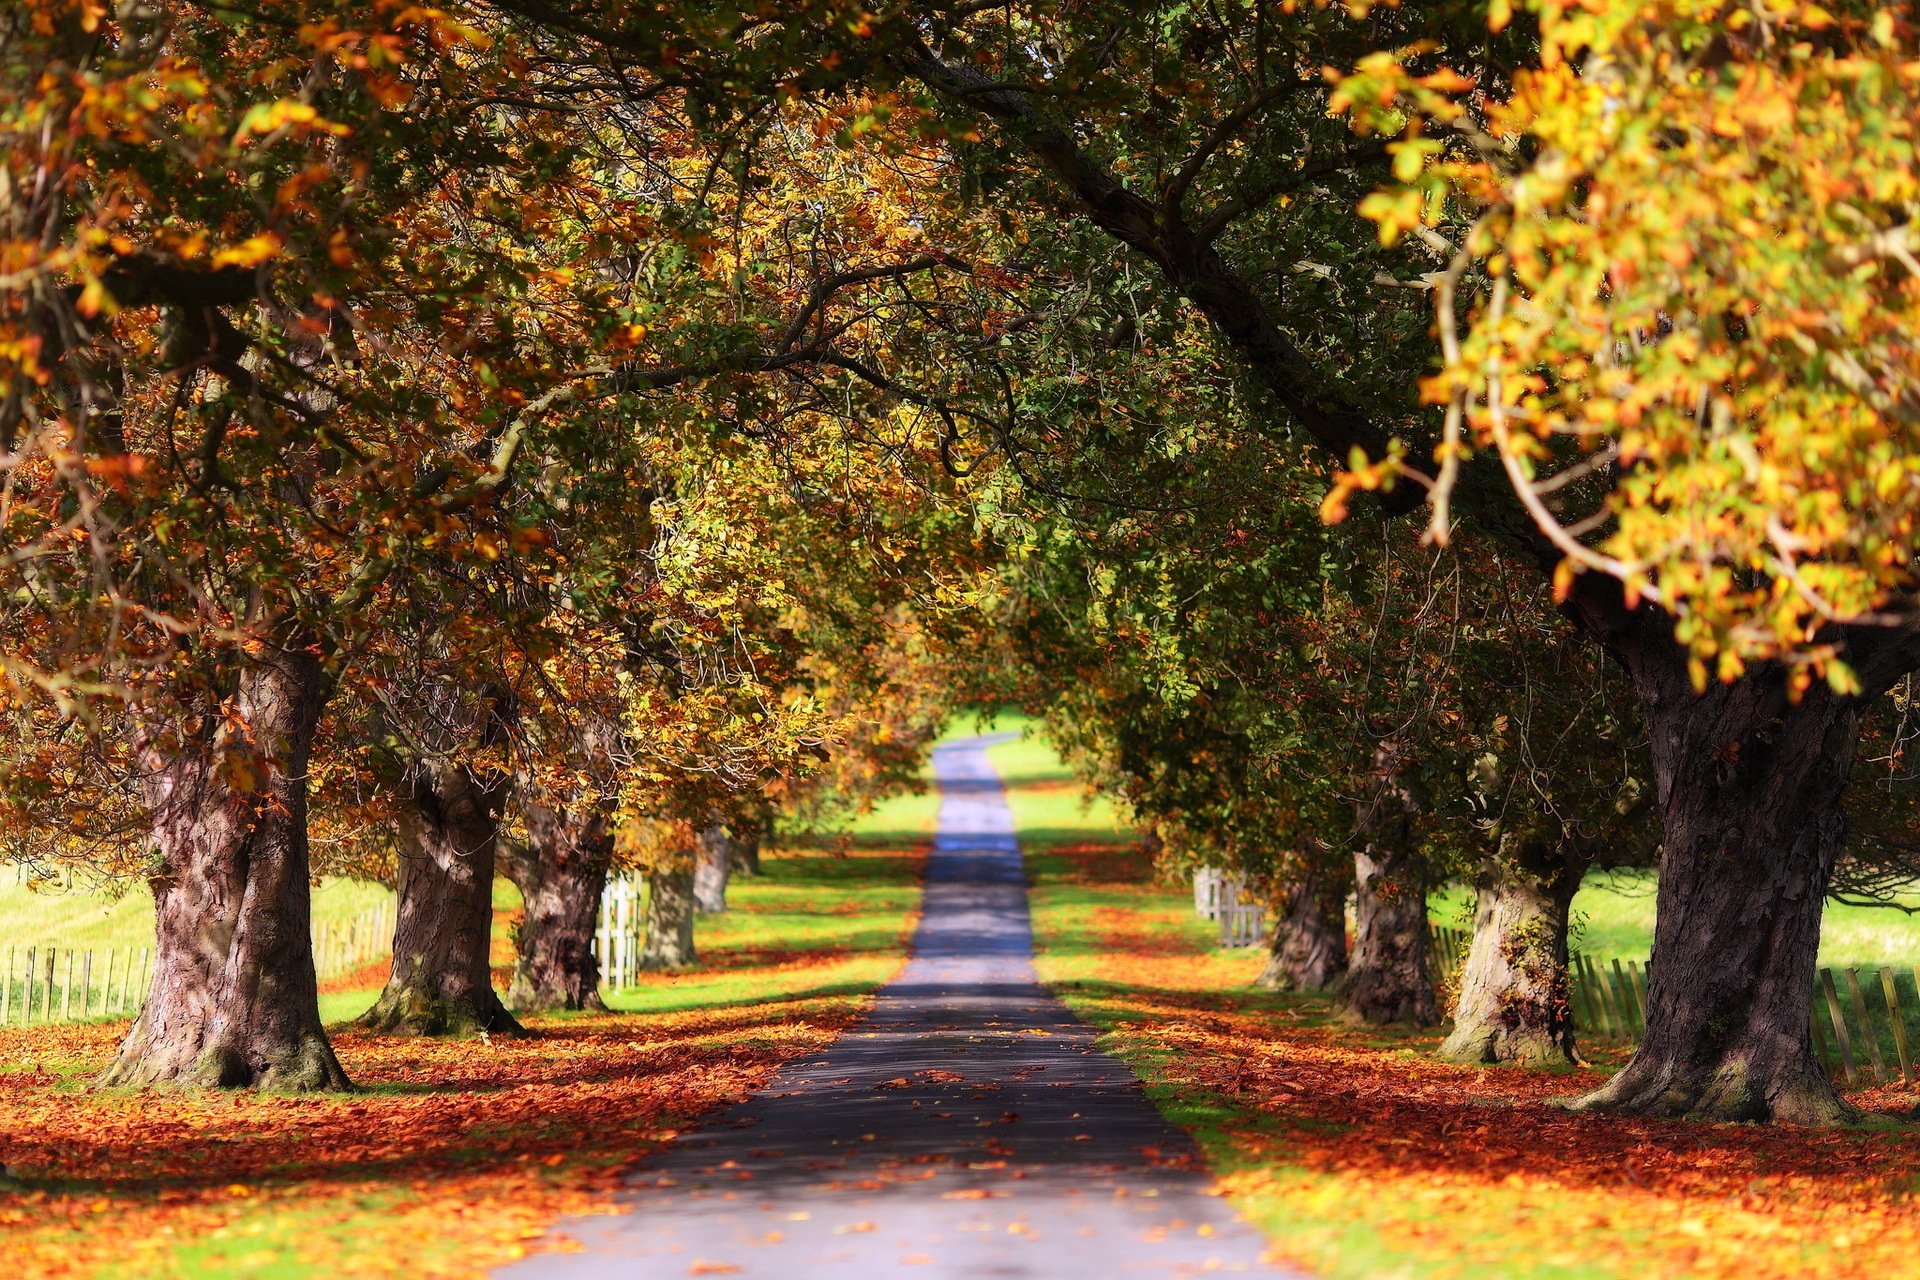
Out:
{"x": 1223, "y": 899}
{"x": 622, "y": 930}
{"x": 51, "y": 983}
{"x": 1865, "y": 1025}
{"x": 357, "y": 942}
{"x": 54, "y": 984}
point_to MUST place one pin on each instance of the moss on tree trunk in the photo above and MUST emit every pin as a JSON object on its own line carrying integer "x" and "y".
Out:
{"x": 561, "y": 872}
{"x": 1513, "y": 986}
{"x": 1749, "y": 784}
{"x": 670, "y": 913}
{"x": 1308, "y": 951}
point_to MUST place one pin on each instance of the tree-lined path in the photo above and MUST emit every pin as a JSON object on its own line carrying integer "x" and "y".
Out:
{"x": 970, "y": 1127}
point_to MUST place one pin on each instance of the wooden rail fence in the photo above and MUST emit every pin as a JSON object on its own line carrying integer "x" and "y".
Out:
{"x": 51, "y": 983}
{"x": 1865, "y": 1024}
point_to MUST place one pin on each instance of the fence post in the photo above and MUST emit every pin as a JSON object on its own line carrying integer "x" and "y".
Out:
{"x": 1887, "y": 989}
{"x": 46, "y": 1005}
{"x": 1636, "y": 1017}
{"x": 1859, "y": 1000}
{"x": 1637, "y": 974}
{"x": 623, "y": 933}
{"x": 86, "y": 984}
{"x": 1601, "y": 996}
{"x": 26, "y": 995}
{"x": 66, "y": 990}
{"x": 1840, "y": 1035}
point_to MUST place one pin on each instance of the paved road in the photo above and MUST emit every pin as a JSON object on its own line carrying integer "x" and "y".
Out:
{"x": 968, "y": 1128}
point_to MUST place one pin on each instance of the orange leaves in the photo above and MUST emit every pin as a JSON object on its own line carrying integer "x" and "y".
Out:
{"x": 456, "y": 1158}
{"x": 1372, "y": 1158}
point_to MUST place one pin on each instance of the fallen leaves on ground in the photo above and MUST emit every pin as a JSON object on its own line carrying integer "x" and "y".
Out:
{"x": 454, "y": 1158}
{"x": 1366, "y": 1156}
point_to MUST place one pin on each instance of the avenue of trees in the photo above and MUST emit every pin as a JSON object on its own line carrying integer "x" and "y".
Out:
{"x": 1388, "y": 444}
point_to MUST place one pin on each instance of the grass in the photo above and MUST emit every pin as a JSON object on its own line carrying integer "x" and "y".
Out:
{"x": 1362, "y": 1156}
{"x": 79, "y": 917}
{"x": 82, "y": 916}
{"x": 1613, "y": 916}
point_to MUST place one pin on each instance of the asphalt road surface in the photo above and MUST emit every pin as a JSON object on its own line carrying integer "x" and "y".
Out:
{"x": 968, "y": 1128}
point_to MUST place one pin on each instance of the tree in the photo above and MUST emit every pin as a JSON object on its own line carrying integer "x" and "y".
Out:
{"x": 1687, "y": 344}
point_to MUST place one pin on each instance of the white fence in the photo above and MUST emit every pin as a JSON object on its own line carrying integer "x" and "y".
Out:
{"x": 52, "y": 983}
{"x": 622, "y": 930}
{"x": 1222, "y": 898}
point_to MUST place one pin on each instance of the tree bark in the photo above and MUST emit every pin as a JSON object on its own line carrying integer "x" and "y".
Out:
{"x": 233, "y": 999}
{"x": 1387, "y": 975}
{"x": 670, "y": 911}
{"x": 712, "y": 867}
{"x": 442, "y": 980}
{"x": 1309, "y": 947}
{"x": 1513, "y": 988}
{"x": 561, "y": 874}
{"x": 748, "y": 834}
{"x": 1749, "y": 784}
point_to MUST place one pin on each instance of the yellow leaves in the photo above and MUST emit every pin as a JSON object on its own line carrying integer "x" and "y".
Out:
{"x": 1499, "y": 14}
{"x": 250, "y": 252}
{"x": 269, "y": 118}
{"x": 1563, "y": 576}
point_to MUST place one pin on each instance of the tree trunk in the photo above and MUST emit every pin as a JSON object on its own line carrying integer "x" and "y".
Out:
{"x": 561, "y": 873}
{"x": 442, "y": 980}
{"x": 1309, "y": 947}
{"x": 712, "y": 866}
{"x": 1513, "y": 988}
{"x": 1749, "y": 785}
{"x": 1387, "y": 975}
{"x": 233, "y": 1000}
{"x": 670, "y": 910}
{"x": 747, "y": 837}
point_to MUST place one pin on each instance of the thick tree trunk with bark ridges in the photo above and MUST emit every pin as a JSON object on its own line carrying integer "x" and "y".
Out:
{"x": 1513, "y": 987}
{"x": 1309, "y": 947}
{"x": 1750, "y": 784}
{"x": 670, "y": 913}
{"x": 1388, "y": 978}
{"x": 233, "y": 1000}
{"x": 442, "y": 982}
{"x": 561, "y": 873}
{"x": 712, "y": 868}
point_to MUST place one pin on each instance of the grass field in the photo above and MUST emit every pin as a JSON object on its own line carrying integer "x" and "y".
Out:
{"x": 81, "y": 916}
